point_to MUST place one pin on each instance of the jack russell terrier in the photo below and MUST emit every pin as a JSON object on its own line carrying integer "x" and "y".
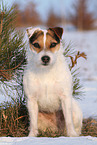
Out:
{"x": 48, "y": 82}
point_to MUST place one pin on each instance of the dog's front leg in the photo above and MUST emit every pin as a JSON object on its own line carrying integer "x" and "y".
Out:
{"x": 67, "y": 112}
{"x": 33, "y": 114}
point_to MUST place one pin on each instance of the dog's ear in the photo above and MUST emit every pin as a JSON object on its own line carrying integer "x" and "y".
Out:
{"x": 30, "y": 31}
{"x": 58, "y": 31}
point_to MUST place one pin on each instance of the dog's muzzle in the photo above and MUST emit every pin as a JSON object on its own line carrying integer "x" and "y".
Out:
{"x": 45, "y": 60}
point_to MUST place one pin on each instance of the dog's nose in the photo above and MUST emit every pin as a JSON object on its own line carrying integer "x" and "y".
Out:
{"x": 45, "y": 59}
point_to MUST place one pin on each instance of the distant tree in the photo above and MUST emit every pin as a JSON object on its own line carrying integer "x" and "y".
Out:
{"x": 53, "y": 19}
{"x": 81, "y": 18}
{"x": 28, "y": 16}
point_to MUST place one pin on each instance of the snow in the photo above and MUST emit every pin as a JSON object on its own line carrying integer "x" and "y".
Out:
{"x": 88, "y": 140}
{"x": 85, "y": 42}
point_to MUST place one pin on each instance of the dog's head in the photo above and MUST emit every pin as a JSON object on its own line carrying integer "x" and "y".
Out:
{"x": 45, "y": 44}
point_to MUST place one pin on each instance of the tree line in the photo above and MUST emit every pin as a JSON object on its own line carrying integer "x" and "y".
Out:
{"x": 81, "y": 17}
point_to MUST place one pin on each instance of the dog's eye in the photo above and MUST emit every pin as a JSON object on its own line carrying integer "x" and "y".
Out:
{"x": 53, "y": 45}
{"x": 36, "y": 45}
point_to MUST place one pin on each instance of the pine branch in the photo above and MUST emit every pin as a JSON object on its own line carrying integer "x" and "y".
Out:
{"x": 11, "y": 43}
{"x": 13, "y": 67}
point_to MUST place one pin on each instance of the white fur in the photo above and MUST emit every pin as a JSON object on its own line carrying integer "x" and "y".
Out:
{"x": 45, "y": 31}
{"x": 31, "y": 30}
{"x": 49, "y": 88}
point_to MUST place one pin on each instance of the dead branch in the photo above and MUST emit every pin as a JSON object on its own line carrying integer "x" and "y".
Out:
{"x": 12, "y": 68}
{"x": 74, "y": 60}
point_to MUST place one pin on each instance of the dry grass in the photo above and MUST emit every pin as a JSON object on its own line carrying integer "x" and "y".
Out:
{"x": 16, "y": 125}
{"x": 89, "y": 127}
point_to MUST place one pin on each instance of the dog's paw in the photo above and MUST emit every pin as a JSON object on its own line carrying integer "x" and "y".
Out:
{"x": 33, "y": 133}
{"x": 72, "y": 134}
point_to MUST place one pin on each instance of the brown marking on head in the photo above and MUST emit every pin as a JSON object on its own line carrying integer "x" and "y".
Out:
{"x": 36, "y": 41}
{"x": 52, "y": 44}
{"x": 52, "y": 40}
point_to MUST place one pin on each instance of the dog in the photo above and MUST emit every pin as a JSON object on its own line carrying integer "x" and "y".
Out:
{"x": 47, "y": 80}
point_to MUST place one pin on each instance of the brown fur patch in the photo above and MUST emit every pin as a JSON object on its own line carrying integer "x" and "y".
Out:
{"x": 37, "y": 38}
{"x": 58, "y": 31}
{"x": 50, "y": 38}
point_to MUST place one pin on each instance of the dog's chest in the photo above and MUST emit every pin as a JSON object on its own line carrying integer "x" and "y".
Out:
{"x": 48, "y": 95}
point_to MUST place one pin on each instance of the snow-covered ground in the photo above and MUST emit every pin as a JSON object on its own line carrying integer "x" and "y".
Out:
{"x": 49, "y": 141}
{"x": 85, "y": 42}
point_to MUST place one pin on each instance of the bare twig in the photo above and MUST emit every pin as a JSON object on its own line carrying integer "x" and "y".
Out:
{"x": 12, "y": 68}
{"x": 20, "y": 117}
{"x": 1, "y": 25}
{"x": 4, "y": 73}
{"x": 74, "y": 61}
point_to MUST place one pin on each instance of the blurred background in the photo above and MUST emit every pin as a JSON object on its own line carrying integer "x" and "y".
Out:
{"x": 79, "y": 20}
{"x": 73, "y": 14}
